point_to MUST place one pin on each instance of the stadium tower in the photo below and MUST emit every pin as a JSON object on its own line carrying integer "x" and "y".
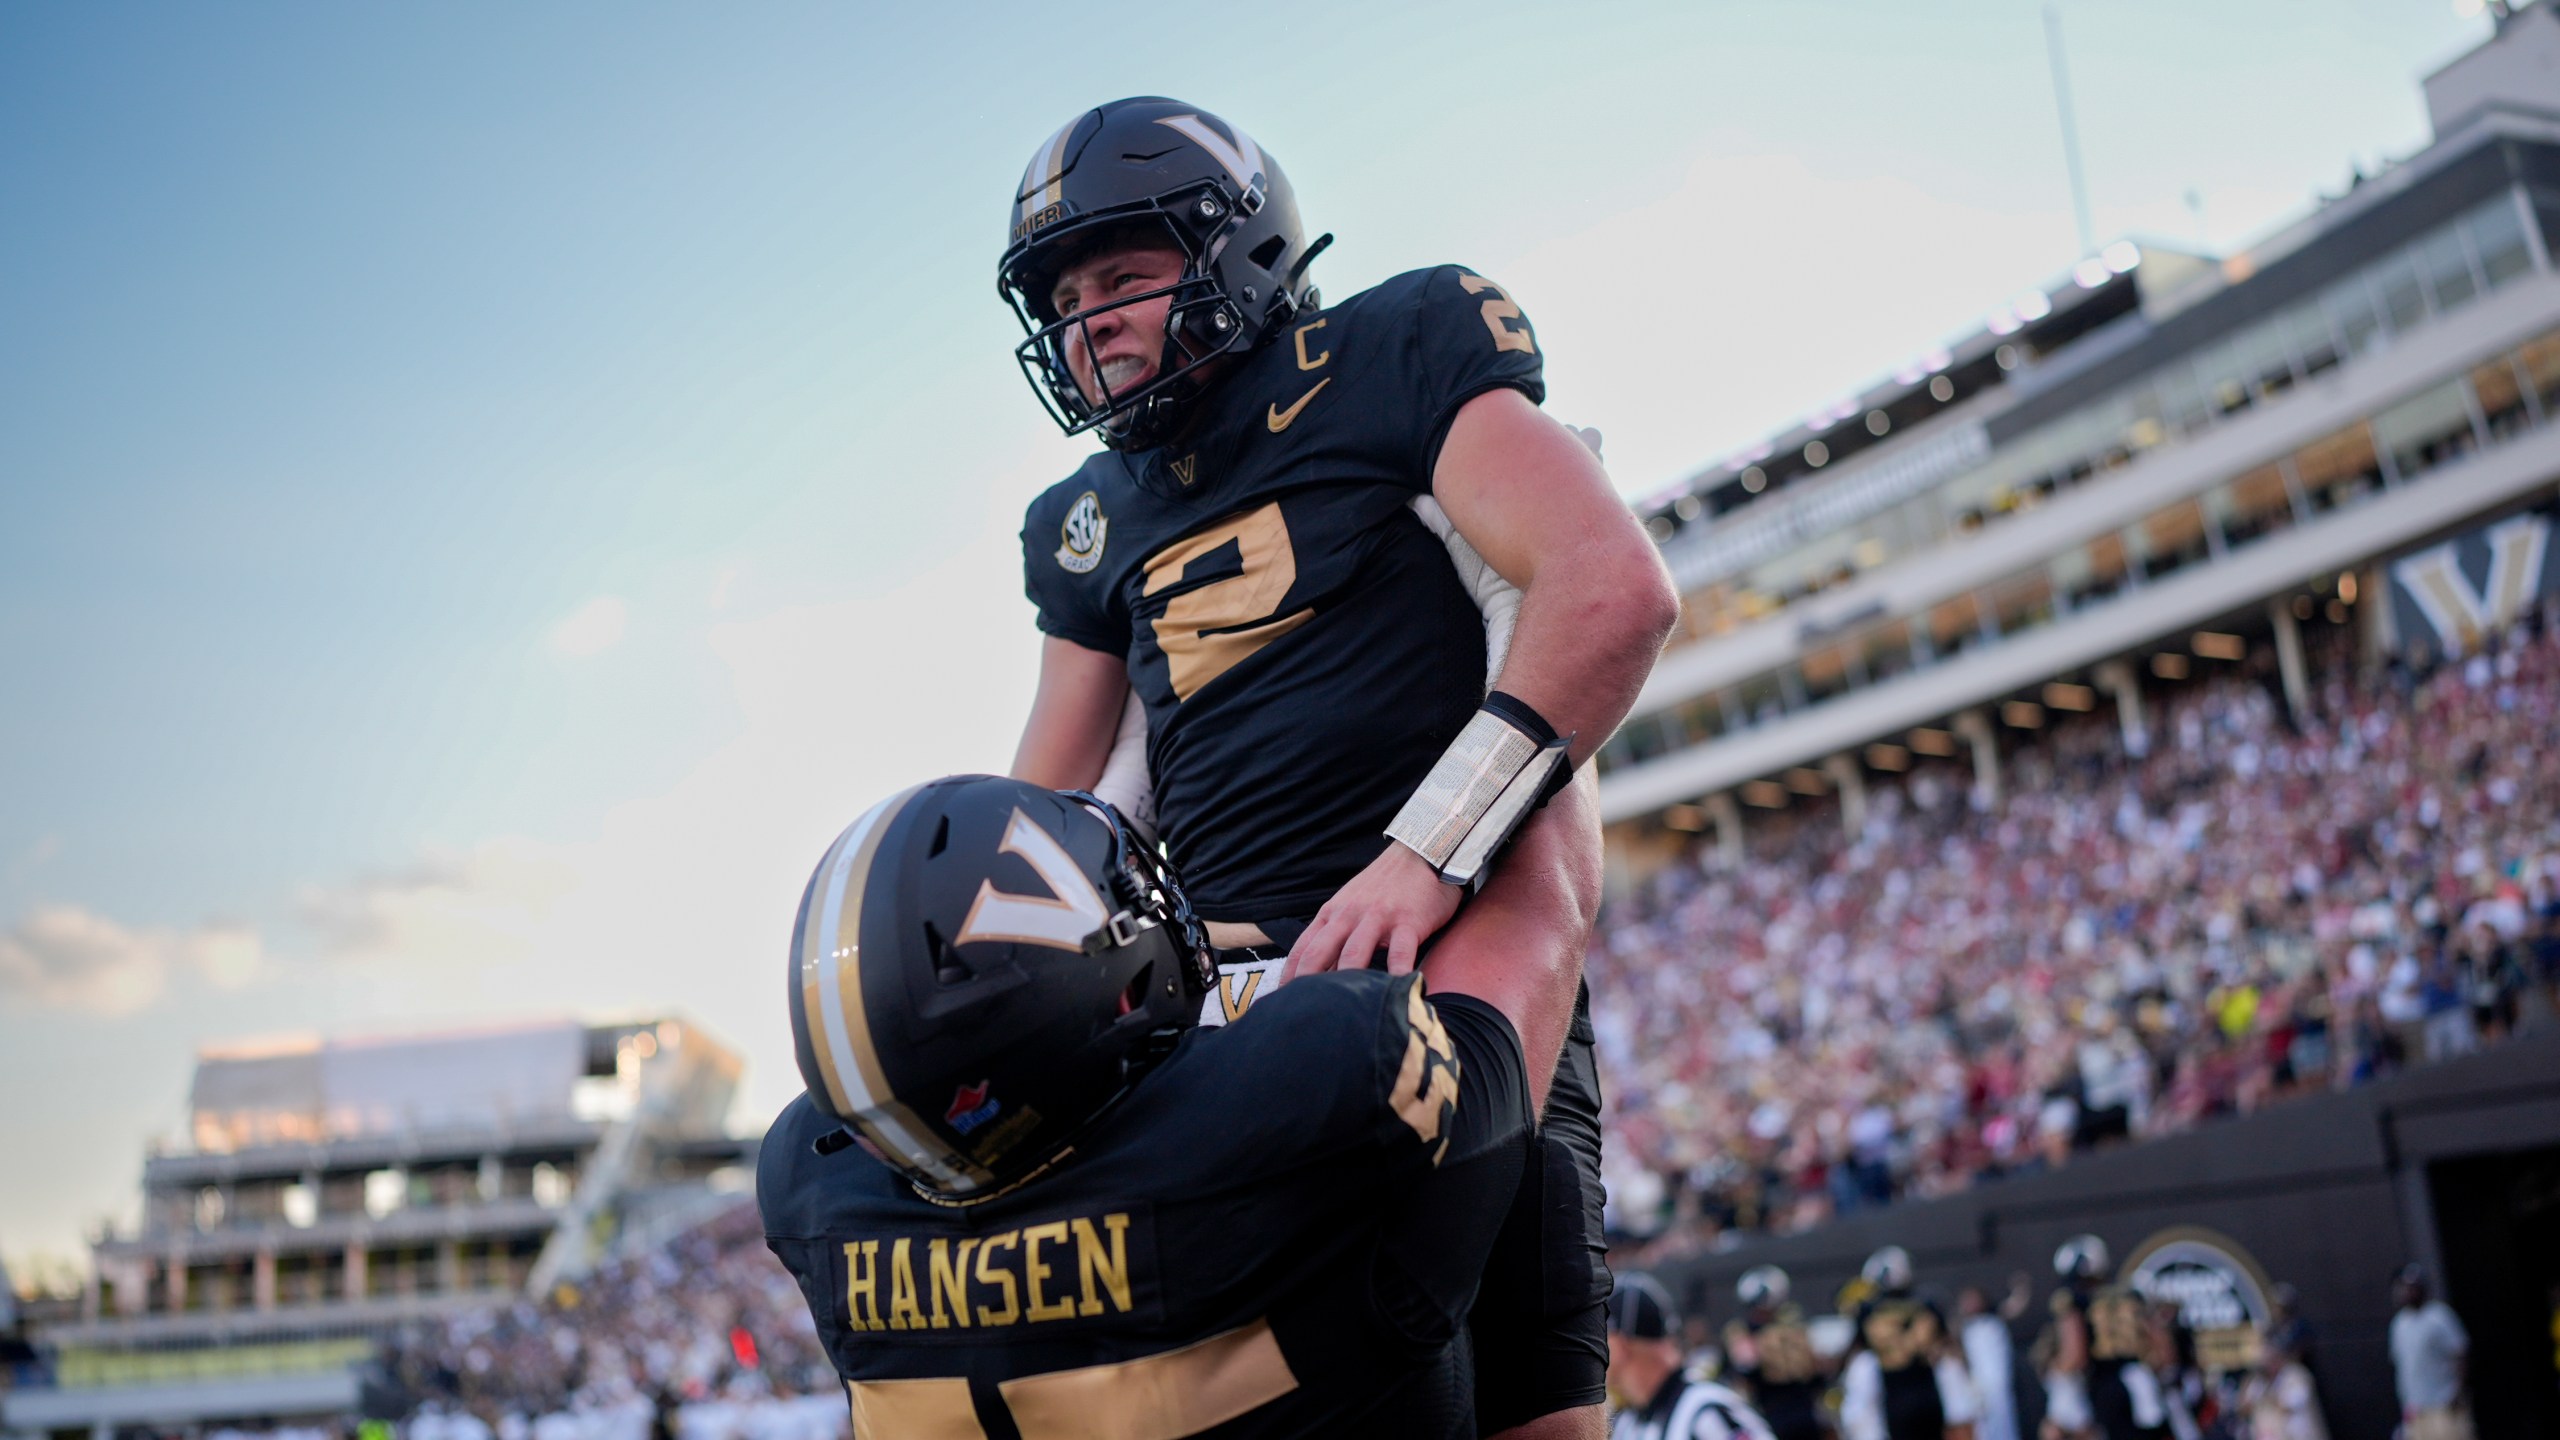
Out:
{"x": 332, "y": 1191}
{"x": 2152, "y": 464}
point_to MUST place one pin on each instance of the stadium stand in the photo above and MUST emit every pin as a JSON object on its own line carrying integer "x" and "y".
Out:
{"x": 2127, "y": 946}
{"x": 705, "y": 1328}
{"x": 331, "y": 1190}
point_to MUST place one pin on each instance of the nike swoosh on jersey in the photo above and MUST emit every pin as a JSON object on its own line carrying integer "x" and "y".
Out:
{"x": 1280, "y": 419}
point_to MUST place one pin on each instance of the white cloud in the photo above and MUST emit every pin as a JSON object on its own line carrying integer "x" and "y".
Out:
{"x": 482, "y": 907}
{"x": 65, "y": 957}
{"x": 592, "y": 628}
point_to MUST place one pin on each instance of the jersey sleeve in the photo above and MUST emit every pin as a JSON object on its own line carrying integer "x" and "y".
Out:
{"x": 793, "y": 1187}
{"x": 1469, "y": 336}
{"x": 1456, "y": 1084}
{"x": 1073, "y": 602}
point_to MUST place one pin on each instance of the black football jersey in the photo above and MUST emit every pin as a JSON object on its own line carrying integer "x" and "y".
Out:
{"x": 1277, "y": 1233}
{"x": 1303, "y": 646}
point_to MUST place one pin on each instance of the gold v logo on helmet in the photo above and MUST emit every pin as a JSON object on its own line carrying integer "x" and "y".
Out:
{"x": 1061, "y": 923}
{"x": 1243, "y": 159}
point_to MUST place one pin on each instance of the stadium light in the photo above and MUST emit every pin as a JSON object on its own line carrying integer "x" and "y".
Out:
{"x": 1933, "y": 742}
{"x": 2032, "y": 306}
{"x": 2091, "y": 273}
{"x": 1817, "y": 454}
{"x": 2122, "y": 256}
{"x": 2347, "y": 587}
{"x": 1878, "y": 422}
{"x": 2062, "y": 695}
{"x": 1886, "y": 756}
{"x": 2022, "y": 715}
{"x": 1754, "y": 479}
{"x": 1806, "y": 782}
{"x": 1941, "y": 389}
{"x": 1685, "y": 817}
{"x": 1766, "y": 794}
{"x": 2169, "y": 665}
{"x": 2214, "y": 645}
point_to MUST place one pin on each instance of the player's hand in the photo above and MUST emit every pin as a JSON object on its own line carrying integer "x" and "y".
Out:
{"x": 1395, "y": 904}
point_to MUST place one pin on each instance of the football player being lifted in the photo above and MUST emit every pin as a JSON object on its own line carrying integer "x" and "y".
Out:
{"x": 1282, "y": 593}
{"x": 1073, "y": 1214}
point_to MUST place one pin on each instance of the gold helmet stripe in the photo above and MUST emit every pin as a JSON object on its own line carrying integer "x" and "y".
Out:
{"x": 831, "y": 977}
{"x": 1044, "y": 179}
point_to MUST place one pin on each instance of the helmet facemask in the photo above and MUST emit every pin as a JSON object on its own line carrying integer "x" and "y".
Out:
{"x": 1201, "y": 323}
{"x": 1176, "y": 174}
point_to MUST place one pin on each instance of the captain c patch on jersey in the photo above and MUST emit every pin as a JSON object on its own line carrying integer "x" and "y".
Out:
{"x": 1082, "y": 534}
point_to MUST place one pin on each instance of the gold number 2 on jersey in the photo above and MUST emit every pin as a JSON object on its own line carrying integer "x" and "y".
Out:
{"x": 1205, "y": 632}
{"x": 1497, "y": 310}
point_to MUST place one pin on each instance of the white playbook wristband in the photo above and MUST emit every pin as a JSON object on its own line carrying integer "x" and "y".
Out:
{"x": 1483, "y": 786}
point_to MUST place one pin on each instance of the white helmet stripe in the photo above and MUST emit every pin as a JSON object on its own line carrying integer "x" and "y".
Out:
{"x": 1044, "y": 179}
{"x": 837, "y": 957}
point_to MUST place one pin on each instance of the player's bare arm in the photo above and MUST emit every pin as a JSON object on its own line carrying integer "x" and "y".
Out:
{"x": 1596, "y": 606}
{"x": 1075, "y": 713}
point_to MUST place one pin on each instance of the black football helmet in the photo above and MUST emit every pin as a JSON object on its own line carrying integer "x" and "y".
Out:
{"x": 1762, "y": 1287}
{"x": 2083, "y": 1258}
{"x": 1889, "y": 1270}
{"x": 981, "y": 967}
{"x": 1170, "y": 167}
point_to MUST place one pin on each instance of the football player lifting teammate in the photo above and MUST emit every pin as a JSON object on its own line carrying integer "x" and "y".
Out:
{"x": 1271, "y": 588}
{"x": 1075, "y": 1214}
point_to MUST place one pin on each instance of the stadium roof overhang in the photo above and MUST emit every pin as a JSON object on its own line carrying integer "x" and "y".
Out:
{"x": 2415, "y": 512}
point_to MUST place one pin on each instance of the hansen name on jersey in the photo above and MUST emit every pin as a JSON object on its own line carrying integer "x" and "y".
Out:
{"x": 1278, "y": 1232}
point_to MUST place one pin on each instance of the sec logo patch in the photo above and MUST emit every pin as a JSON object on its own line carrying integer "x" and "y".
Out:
{"x": 1082, "y": 534}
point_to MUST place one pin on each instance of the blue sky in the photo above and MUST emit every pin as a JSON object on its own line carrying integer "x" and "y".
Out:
{"x": 486, "y": 491}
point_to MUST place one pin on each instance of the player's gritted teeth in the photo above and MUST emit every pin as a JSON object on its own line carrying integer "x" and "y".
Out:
{"x": 1121, "y": 372}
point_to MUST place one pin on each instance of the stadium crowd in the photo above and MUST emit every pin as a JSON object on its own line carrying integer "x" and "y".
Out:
{"x": 2124, "y": 946}
{"x": 705, "y": 1338}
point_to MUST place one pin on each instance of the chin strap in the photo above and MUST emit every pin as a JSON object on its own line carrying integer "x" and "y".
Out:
{"x": 1506, "y": 763}
{"x": 1153, "y": 895}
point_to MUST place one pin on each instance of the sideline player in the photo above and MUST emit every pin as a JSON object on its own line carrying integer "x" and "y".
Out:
{"x": 1773, "y": 1358}
{"x": 2097, "y": 1386}
{"x": 1025, "y": 1194}
{"x": 1662, "y": 1400}
{"x": 1252, "y": 556}
{"x": 1905, "y": 1380}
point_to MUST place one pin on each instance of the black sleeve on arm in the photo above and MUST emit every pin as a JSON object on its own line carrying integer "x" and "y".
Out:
{"x": 1070, "y": 604}
{"x": 1493, "y": 1077}
{"x": 1442, "y": 1225}
{"x": 1468, "y": 337}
